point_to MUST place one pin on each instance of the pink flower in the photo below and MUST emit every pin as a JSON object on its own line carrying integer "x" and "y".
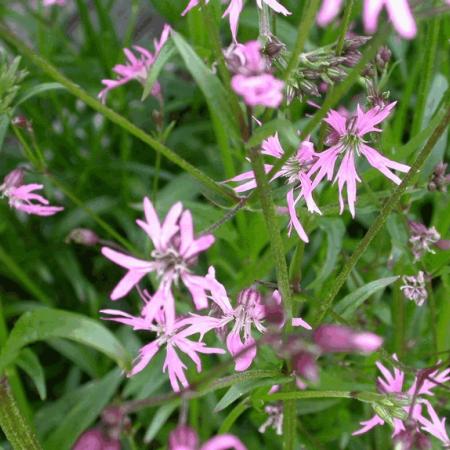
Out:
{"x": 294, "y": 171}
{"x": 249, "y": 312}
{"x": 347, "y": 140}
{"x": 95, "y": 439}
{"x": 174, "y": 337}
{"x": 23, "y": 198}
{"x": 186, "y": 438}
{"x": 175, "y": 251}
{"x": 399, "y": 13}
{"x": 260, "y": 90}
{"x": 392, "y": 383}
{"x": 136, "y": 68}
{"x": 235, "y": 8}
{"x": 336, "y": 338}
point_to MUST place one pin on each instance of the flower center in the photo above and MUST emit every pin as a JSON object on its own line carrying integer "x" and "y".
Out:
{"x": 169, "y": 261}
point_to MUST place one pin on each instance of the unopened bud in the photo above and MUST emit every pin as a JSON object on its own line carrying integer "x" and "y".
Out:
{"x": 304, "y": 365}
{"x": 383, "y": 57}
{"x": 94, "y": 439}
{"x": 439, "y": 179}
{"x": 355, "y": 42}
{"x": 82, "y": 236}
{"x": 336, "y": 338}
{"x": 183, "y": 438}
{"x": 22, "y": 122}
{"x": 273, "y": 48}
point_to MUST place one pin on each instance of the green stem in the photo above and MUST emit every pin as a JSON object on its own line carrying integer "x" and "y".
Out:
{"x": 398, "y": 311}
{"x": 344, "y": 26}
{"x": 16, "y": 428}
{"x": 119, "y": 120}
{"x": 234, "y": 414}
{"x": 301, "y": 395}
{"x": 433, "y": 317}
{"x": 304, "y": 27}
{"x": 430, "y": 58}
{"x": 376, "y": 226}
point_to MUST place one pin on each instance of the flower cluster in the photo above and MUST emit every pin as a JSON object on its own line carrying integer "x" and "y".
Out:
{"x": 306, "y": 169}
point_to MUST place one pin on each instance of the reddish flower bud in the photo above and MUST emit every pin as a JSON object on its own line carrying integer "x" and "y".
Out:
{"x": 82, "y": 236}
{"x": 305, "y": 366}
{"x": 335, "y": 338}
{"x": 94, "y": 439}
{"x": 183, "y": 438}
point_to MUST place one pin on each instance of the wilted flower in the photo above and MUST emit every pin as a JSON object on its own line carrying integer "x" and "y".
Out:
{"x": 172, "y": 337}
{"x": 252, "y": 79}
{"x": 392, "y": 383}
{"x": 294, "y": 171}
{"x": 422, "y": 238}
{"x": 347, "y": 140}
{"x": 399, "y": 13}
{"x": 186, "y": 438}
{"x": 175, "y": 251}
{"x": 235, "y": 8}
{"x": 440, "y": 179}
{"x": 414, "y": 288}
{"x": 137, "y": 68}
{"x": 336, "y": 338}
{"x": 274, "y": 419}
{"x": 22, "y": 196}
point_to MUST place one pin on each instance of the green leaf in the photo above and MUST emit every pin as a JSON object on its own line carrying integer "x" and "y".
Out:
{"x": 4, "y": 124}
{"x": 159, "y": 419}
{"x": 282, "y": 126}
{"x": 46, "y": 323}
{"x": 335, "y": 231}
{"x": 210, "y": 85}
{"x": 30, "y": 364}
{"x": 163, "y": 57}
{"x": 238, "y": 390}
{"x": 348, "y": 305}
{"x": 84, "y": 412}
{"x": 36, "y": 90}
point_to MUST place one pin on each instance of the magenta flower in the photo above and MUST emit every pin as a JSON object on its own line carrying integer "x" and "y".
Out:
{"x": 235, "y": 8}
{"x": 95, "y": 439}
{"x": 250, "y": 311}
{"x": 186, "y": 438}
{"x": 171, "y": 336}
{"x": 392, "y": 383}
{"x": 347, "y": 140}
{"x": 294, "y": 171}
{"x": 136, "y": 68}
{"x": 399, "y": 13}
{"x": 23, "y": 197}
{"x": 175, "y": 251}
{"x": 54, "y": 2}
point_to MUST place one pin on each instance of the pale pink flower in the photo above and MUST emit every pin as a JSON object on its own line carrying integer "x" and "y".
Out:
{"x": 414, "y": 288}
{"x": 249, "y": 312}
{"x": 422, "y": 239}
{"x": 175, "y": 251}
{"x": 347, "y": 140}
{"x": 392, "y": 383}
{"x": 137, "y": 67}
{"x": 173, "y": 337}
{"x": 274, "y": 419}
{"x": 186, "y": 438}
{"x": 399, "y": 13}
{"x": 23, "y": 197}
{"x": 235, "y": 8}
{"x": 294, "y": 171}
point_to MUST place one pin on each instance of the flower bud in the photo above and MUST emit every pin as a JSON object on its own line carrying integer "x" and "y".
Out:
{"x": 94, "y": 439}
{"x": 22, "y": 122}
{"x": 82, "y": 236}
{"x": 383, "y": 57}
{"x": 183, "y": 438}
{"x": 336, "y": 338}
{"x": 304, "y": 365}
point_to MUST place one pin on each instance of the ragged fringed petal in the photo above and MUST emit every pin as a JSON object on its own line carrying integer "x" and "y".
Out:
{"x": 294, "y": 222}
{"x": 337, "y": 121}
{"x": 151, "y": 225}
{"x": 368, "y": 425}
{"x": 170, "y": 225}
{"x": 218, "y": 292}
{"x": 192, "y": 4}
{"x": 223, "y": 442}
{"x": 306, "y": 193}
{"x": 347, "y": 175}
{"x": 234, "y": 11}
{"x": 324, "y": 166}
{"x": 243, "y": 358}
{"x": 366, "y": 120}
{"x": 197, "y": 286}
{"x": 383, "y": 164}
{"x": 276, "y": 6}
{"x": 435, "y": 426}
{"x": 159, "y": 44}
{"x": 146, "y": 354}
{"x": 272, "y": 147}
{"x": 299, "y": 322}
{"x": 198, "y": 246}
{"x": 392, "y": 382}
{"x": 138, "y": 323}
{"x": 175, "y": 369}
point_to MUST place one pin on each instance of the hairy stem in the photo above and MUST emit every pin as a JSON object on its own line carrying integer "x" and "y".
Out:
{"x": 16, "y": 428}
{"x": 376, "y": 226}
